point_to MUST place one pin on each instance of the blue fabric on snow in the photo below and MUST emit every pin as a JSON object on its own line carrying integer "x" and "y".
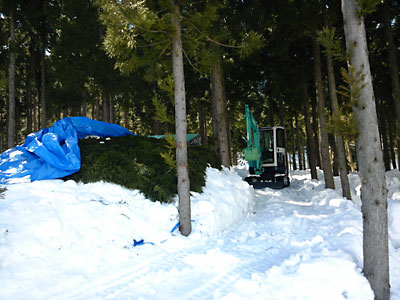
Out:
{"x": 52, "y": 152}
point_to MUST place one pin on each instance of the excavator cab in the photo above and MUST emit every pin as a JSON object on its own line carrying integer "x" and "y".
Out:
{"x": 266, "y": 155}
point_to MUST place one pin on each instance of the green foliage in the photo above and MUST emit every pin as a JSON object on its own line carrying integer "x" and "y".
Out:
{"x": 342, "y": 125}
{"x": 333, "y": 45}
{"x": 136, "y": 35}
{"x": 169, "y": 159}
{"x": 138, "y": 163}
{"x": 251, "y": 41}
{"x": 366, "y": 7}
{"x": 3, "y": 84}
{"x": 353, "y": 85}
{"x": 169, "y": 156}
{"x": 171, "y": 141}
{"x": 161, "y": 111}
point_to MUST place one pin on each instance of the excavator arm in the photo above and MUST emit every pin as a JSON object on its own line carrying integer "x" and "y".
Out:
{"x": 252, "y": 153}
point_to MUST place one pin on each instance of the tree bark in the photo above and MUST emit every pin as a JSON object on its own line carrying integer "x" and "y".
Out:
{"x": 202, "y": 124}
{"x": 315, "y": 130}
{"x": 271, "y": 111}
{"x": 369, "y": 156}
{"x": 334, "y": 155}
{"x": 111, "y": 110}
{"x": 97, "y": 109}
{"x": 281, "y": 113}
{"x": 105, "y": 108}
{"x": 349, "y": 156}
{"x": 215, "y": 125}
{"x": 294, "y": 164}
{"x": 218, "y": 97}
{"x": 312, "y": 160}
{"x": 185, "y": 225}
{"x": 35, "y": 112}
{"x": 391, "y": 142}
{"x": 324, "y": 147}
{"x": 299, "y": 144}
{"x": 29, "y": 93}
{"x": 394, "y": 71}
{"x": 340, "y": 153}
{"x": 383, "y": 135}
{"x": 11, "y": 81}
{"x": 43, "y": 104}
{"x": 84, "y": 108}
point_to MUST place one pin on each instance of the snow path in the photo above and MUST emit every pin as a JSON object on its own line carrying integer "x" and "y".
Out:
{"x": 71, "y": 241}
{"x": 258, "y": 243}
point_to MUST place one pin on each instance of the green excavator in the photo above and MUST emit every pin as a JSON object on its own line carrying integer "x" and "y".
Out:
{"x": 266, "y": 155}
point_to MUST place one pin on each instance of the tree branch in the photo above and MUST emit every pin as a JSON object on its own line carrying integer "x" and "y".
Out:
{"x": 153, "y": 44}
{"x": 193, "y": 66}
{"x": 210, "y": 39}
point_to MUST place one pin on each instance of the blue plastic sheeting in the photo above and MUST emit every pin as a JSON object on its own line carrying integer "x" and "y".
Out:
{"x": 52, "y": 152}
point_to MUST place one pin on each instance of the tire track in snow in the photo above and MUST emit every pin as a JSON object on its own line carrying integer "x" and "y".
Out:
{"x": 110, "y": 281}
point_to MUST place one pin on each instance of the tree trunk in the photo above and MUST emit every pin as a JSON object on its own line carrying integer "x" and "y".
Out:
{"x": 105, "y": 108}
{"x": 384, "y": 136}
{"x": 84, "y": 108}
{"x": 202, "y": 125}
{"x": 97, "y": 109}
{"x": 111, "y": 110}
{"x": 312, "y": 160}
{"x": 391, "y": 142}
{"x": 43, "y": 114}
{"x": 324, "y": 147}
{"x": 369, "y": 156}
{"x": 299, "y": 145}
{"x": 394, "y": 71}
{"x": 11, "y": 82}
{"x": 205, "y": 142}
{"x": 35, "y": 112}
{"x": 398, "y": 152}
{"x": 294, "y": 145}
{"x": 315, "y": 129}
{"x": 218, "y": 96}
{"x": 349, "y": 156}
{"x": 340, "y": 153}
{"x": 28, "y": 103}
{"x": 334, "y": 155}
{"x": 271, "y": 111}
{"x": 281, "y": 113}
{"x": 185, "y": 225}
{"x": 215, "y": 125}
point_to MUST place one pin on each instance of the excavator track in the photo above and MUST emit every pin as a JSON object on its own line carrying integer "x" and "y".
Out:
{"x": 259, "y": 183}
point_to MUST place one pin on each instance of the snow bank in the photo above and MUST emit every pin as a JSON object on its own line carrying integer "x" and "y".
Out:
{"x": 61, "y": 227}
{"x": 224, "y": 201}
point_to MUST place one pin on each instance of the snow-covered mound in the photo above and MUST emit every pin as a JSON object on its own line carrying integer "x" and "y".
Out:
{"x": 68, "y": 240}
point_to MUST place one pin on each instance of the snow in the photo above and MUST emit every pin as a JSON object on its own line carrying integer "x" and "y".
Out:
{"x": 68, "y": 240}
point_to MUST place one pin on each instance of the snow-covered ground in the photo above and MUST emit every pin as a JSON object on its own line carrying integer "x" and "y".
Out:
{"x": 67, "y": 240}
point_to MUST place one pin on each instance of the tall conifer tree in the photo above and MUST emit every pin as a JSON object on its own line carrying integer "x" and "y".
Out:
{"x": 369, "y": 153}
{"x": 11, "y": 80}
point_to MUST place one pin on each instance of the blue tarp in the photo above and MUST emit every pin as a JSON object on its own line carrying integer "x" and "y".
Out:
{"x": 52, "y": 152}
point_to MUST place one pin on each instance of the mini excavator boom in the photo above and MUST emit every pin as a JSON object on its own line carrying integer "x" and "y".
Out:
{"x": 266, "y": 155}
